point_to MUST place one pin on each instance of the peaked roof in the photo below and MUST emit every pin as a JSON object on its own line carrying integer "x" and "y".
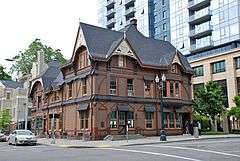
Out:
{"x": 11, "y": 84}
{"x": 53, "y": 76}
{"x": 102, "y": 42}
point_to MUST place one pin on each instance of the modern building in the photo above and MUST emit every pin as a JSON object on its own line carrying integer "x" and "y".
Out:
{"x": 152, "y": 16}
{"x": 222, "y": 68}
{"x": 109, "y": 86}
{"x": 14, "y": 98}
{"x": 197, "y": 28}
{"x": 204, "y": 27}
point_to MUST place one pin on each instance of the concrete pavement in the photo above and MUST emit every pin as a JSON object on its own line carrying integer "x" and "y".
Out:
{"x": 200, "y": 150}
{"x": 148, "y": 140}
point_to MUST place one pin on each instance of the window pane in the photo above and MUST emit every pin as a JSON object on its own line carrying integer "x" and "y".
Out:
{"x": 130, "y": 87}
{"x": 113, "y": 86}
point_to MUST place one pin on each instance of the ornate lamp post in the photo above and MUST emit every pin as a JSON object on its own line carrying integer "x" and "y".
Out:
{"x": 160, "y": 86}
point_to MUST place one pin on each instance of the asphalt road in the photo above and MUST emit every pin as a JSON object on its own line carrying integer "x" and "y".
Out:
{"x": 205, "y": 150}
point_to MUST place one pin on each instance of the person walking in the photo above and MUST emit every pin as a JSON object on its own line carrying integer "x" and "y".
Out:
{"x": 187, "y": 127}
{"x": 199, "y": 127}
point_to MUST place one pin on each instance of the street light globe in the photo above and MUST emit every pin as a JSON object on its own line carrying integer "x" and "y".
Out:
{"x": 157, "y": 79}
{"x": 163, "y": 77}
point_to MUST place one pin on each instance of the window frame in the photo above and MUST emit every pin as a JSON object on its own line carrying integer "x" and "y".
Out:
{"x": 218, "y": 64}
{"x": 130, "y": 87}
{"x": 113, "y": 87}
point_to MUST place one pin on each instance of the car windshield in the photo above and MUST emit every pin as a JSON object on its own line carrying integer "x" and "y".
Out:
{"x": 24, "y": 133}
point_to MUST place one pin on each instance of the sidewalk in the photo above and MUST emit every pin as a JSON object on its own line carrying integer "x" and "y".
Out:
{"x": 148, "y": 140}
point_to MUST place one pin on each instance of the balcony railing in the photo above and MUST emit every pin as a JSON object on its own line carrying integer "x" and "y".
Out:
{"x": 201, "y": 32}
{"x": 203, "y": 46}
{"x": 130, "y": 11}
{"x": 110, "y": 3}
{"x": 128, "y": 2}
{"x": 111, "y": 12}
{"x": 200, "y": 16}
{"x": 111, "y": 22}
{"x": 198, "y": 4}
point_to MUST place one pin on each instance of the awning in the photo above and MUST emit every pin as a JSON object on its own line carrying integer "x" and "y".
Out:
{"x": 123, "y": 107}
{"x": 83, "y": 107}
{"x": 149, "y": 108}
{"x": 148, "y": 77}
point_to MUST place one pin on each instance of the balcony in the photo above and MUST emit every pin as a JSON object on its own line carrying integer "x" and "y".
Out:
{"x": 198, "y": 4}
{"x": 110, "y": 13}
{"x": 203, "y": 32}
{"x": 130, "y": 12}
{"x": 200, "y": 47}
{"x": 200, "y": 16}
{"x": 129, "y": 2}
{"x": 110, "y": 3}
{"x": 111, "y": 22}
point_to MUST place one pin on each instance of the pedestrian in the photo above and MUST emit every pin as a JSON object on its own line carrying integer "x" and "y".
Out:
{"x": 191, "y": 128}
{"x": 199, "y": 128}
{"x": 187, "y": 127}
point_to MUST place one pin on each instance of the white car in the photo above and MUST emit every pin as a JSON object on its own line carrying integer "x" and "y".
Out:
{"x": 22, "y": 137}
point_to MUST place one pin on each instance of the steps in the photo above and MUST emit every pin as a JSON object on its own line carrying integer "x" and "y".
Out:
{"x": 123, "y": 137}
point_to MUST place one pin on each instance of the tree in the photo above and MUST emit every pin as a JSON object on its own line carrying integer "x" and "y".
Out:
{"x": 24, "y": 59}
{"x": 209, "y": 100}
{"x": 235, "y": 111}
{"x": 5, "y": 119}
{"x": 3, "y": 74}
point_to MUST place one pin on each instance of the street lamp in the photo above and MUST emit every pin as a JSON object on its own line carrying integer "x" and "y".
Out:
{"x": 160, "y": 86}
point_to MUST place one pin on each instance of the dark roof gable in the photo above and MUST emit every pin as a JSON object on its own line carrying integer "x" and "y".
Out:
{"x": 11, "y": 84}
{"x": 101, "y": 42}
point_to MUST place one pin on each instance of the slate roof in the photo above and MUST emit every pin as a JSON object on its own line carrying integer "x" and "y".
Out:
{"x": 53, "y": 76}
{"x": 11, "y": 84}
{"x": 102, "y": 42}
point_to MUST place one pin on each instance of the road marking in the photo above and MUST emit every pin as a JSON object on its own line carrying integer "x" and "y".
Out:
{"x": 202, "y": 142}
{"x": 152, "y": 153}
{"x": 194, "y": 149}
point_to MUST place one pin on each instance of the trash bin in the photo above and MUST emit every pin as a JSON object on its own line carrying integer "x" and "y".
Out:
{"x": 195, "y": 132}
{"x": 163, "y": 135}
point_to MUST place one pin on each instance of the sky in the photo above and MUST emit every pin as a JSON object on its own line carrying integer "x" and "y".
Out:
{"x": 55, "y": 22}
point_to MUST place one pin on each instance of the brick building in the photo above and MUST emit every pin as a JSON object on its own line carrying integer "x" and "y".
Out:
{"x": 109, "y": 85}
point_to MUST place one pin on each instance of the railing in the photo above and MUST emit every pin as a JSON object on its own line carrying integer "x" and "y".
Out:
{"x": 130, "y": 10}
{"x": 201, "y": 13}
{"x": 110, "y": 2}
{"x": 111, "y": 21}
{"x": 200, "y": 29}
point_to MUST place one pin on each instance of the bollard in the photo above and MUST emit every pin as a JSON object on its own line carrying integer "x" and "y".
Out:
{"x": 163, "y": 135}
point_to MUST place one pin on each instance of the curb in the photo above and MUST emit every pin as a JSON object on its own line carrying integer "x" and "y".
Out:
{"x": 136, "y": 144}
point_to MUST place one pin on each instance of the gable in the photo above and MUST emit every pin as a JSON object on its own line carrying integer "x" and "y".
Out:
{"x": 176, "y": 59}
{"x": 80, "y": 40}
{"x": 125, "y": 50}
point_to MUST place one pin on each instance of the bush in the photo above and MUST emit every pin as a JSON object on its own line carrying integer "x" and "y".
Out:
{"x": 235, "y": 131}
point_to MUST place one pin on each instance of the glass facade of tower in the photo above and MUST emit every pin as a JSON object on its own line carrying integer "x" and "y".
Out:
{"x": 204, "y": 27}
{"x": 196, "y": 27}
{"x": 152, "y": 16}
{"x": 116, "y": 14}
{"x": 159, "y": 17}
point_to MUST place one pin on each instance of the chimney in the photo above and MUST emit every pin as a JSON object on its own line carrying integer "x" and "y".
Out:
{"x": 133, "y": 22}
{"x": 40, "y": 62}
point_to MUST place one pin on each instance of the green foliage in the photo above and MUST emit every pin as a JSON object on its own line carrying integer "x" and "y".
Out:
{"x": 205, "y": 122}
{"x": 24, "y": 59}
{"x": 235, "y": 111}
{"x": 3, "y": 74}
{"x": 5, "y": 119}
{"x": 209, "y": 100}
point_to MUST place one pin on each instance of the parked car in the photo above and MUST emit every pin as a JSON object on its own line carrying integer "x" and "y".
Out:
{"x": 22, "y": 137}
{"x": 3, "y": 137}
